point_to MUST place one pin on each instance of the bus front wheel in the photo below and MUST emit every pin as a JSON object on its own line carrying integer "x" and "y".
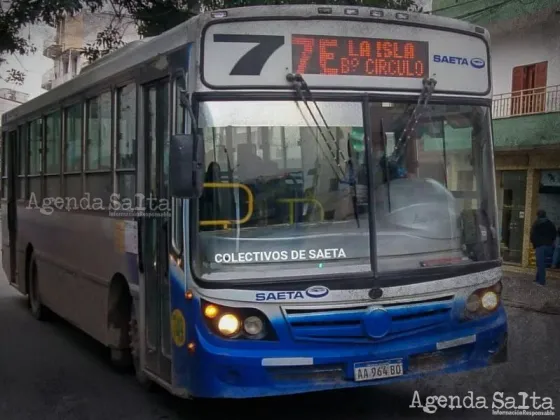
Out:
{"x": 37, "y": 309}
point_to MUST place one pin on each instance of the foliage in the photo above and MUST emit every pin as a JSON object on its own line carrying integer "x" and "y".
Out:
{"x": 17, "y": 14}
{"x": 151, "y": 17}
{"x": 387, "y": 4}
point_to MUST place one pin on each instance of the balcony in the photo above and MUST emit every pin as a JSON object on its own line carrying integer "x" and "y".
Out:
{"x": 527, "y": 118}
{"x": 52, "y": 47}
{"x": 47, "y": 79}
{"x": 526, "y": 102}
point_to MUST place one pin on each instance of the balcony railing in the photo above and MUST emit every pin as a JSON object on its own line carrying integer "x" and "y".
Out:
{"x": 526, "y": 102}
{"x": 63, "y": 78}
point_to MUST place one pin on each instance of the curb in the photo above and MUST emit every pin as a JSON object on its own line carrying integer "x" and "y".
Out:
{"x": 546, "y": 309}
{"x": 551, "y": 274}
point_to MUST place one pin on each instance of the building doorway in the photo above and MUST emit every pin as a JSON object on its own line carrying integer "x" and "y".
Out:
{"x": 512, "y": 187}
{"x": 549, "y": 197}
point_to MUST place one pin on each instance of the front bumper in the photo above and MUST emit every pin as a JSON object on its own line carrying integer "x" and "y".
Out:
{"x": 219, "y": 372}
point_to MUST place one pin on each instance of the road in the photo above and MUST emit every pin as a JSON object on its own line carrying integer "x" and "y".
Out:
{"x": 52, "y": 371}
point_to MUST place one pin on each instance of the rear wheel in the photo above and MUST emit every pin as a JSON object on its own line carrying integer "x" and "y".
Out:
{"x": 37, "y": 309}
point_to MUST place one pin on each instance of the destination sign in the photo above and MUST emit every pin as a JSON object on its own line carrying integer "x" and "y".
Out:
{"x": 352, "y": 56}
{"x": 365, "y": 57}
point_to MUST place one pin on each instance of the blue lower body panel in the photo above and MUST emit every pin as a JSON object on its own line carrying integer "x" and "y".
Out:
{"x": 220, "y": 372}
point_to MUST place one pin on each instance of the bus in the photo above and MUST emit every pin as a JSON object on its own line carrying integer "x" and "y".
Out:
{"x": 267, "y": 200}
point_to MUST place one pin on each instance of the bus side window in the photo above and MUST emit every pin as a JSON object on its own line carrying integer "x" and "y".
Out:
{"x": 22, "y": 159}
{"x": 126, "y": 141}
{"x": 73, "y": 123}
{"x": 99, "y": 182}
{"x": 5, "y": 165}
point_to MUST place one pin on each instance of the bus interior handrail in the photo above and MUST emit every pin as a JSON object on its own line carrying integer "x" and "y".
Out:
{"x": 250, "y": 204}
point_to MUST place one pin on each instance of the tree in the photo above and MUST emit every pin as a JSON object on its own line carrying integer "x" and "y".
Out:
{"x": 17, "y": 14}
{"x": 152, "y": 17}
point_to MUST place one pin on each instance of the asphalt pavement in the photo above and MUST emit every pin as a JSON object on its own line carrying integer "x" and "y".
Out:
{"x": 52, "y": 371}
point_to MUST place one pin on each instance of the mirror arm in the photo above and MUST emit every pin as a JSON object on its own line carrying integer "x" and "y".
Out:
{"x": 185, "y": 101}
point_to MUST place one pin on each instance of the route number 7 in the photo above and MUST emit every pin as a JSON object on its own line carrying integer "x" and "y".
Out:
{"x": 252, "y": 63}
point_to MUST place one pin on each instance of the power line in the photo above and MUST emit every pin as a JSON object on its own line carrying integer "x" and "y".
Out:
{"x": 453, "y": 6}
{"x": 489, "y": 8}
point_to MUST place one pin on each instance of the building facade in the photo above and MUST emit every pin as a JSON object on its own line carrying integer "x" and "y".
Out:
{"x": 73, "y": 33}
{"x": 10, "y": 99}
{"x": 525, "y": 52}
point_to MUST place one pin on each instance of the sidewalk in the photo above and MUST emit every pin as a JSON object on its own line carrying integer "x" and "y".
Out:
{"x": 520, "y": 291}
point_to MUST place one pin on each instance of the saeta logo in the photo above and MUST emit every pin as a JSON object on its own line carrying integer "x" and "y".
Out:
{"x": 477, "y": 63}
{"x": 317, "y": 291}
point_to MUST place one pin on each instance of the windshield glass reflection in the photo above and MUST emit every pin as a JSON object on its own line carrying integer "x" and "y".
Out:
{"x": 434, "y": 190}
{"x": 282, "y": 192}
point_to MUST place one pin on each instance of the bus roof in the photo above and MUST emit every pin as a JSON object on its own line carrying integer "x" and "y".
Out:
{"x": 146, "y": 50}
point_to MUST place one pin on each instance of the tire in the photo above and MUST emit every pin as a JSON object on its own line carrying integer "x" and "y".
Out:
{"x": 135, "y": 338}
{"x": 37, "y": 309}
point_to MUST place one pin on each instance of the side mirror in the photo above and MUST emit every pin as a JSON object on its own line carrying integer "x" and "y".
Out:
{"x": 186, "y": 165}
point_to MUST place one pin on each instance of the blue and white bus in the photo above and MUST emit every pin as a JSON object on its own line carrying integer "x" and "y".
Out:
{"x": 332, "y": 219}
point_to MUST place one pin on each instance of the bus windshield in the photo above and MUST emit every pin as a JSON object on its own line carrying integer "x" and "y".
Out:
{"x": 434, "y": 188}
{"x": 277, "y": 190}
{"x": 287, "y": 196}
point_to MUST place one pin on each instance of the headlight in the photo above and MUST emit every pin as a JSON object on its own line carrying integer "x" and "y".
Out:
{"x": 483, "y": 301}
{"x": 253, "y": 325}
{"x": 490, "y": 300}
{"x": 237, "y": 323}
{"x": 473, "y": 303}
{"x": 229, "y": 325}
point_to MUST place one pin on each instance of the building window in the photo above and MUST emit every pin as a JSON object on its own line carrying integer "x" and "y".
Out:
{"x": 52, "y": 143}
{"x": 99, "y": 133}
{"x": 74, "y": 64}
{"x": 528, "y": 87}
{"x": 73, "y": 140}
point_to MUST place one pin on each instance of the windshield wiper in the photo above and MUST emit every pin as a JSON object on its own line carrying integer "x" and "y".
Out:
{"x": 299, "y": 83}
{"x": 391, "y": 163}
{"x": 428, "y": 86}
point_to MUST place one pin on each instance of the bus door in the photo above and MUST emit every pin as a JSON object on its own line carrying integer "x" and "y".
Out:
{"x": 12, "y": 163}
{"x": 157, "y": 334}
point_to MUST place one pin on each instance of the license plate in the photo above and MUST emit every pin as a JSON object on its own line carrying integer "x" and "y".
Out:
{"x": 369, "y": 371}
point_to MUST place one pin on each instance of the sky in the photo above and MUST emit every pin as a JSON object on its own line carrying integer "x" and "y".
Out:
{"x": 35, "y": 65}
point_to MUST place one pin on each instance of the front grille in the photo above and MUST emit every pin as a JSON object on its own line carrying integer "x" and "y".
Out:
{"x": 346, "y": 323}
